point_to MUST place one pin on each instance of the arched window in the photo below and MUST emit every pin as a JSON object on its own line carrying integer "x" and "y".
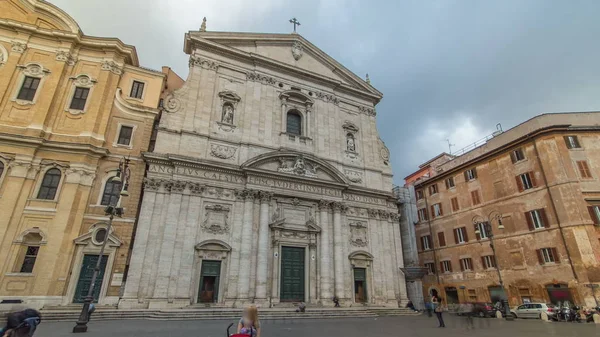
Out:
{"x": 294, "y": 123}
{"x": 110, "y": 197}
{"x": 49, "y": 184}
{"x": 29, "y": 252}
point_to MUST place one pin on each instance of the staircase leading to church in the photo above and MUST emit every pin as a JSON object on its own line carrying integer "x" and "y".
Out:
{"x": 71, "y": 313}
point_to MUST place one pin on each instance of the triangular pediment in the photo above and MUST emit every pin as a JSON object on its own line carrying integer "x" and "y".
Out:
{"x": 287, "y": 49}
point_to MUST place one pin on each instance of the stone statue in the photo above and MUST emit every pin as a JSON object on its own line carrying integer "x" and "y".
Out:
{"x": 350, "y": 144}
{"x": 227, "y": 117}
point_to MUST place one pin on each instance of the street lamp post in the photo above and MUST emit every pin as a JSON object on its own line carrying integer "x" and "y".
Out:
{"x": 112, "y": 210}
{"x": 478, "y": 222}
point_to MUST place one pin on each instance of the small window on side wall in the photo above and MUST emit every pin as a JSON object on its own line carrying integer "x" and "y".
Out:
{"x": 49, "y": 185}
{"x": 572, "y": 142}
{"x": 28, "y": 253}
{"x": 471, "y": 174}
{"x": 517, "y": 155}
{"x": 29, "y": 88}
{"x": 137, "y": 90}
{"x": 79, "y": 98}
{"x": 125, "y": 133}
{"x": 111, "y": 194}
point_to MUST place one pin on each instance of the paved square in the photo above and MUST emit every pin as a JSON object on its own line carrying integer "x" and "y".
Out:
{"x": 417, "y": 326}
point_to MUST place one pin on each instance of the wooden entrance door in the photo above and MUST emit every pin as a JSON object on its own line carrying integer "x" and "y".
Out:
{"x": 292, "y": 274}
{"x": 360, "y": 285}
{"x": 85, "y": 278}
{"x": 209, "y": 282}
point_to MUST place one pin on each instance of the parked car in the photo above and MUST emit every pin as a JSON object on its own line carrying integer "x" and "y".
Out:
{"x": 533, "y": 310}
{"x": 483, "y": 309}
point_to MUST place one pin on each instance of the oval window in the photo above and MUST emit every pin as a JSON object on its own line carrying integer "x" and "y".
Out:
{"x": 100, "y": 235}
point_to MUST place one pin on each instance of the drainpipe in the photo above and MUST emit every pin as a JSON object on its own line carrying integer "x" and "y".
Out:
{"x": 560, "y": 228}
{"x": 435, "y": 262}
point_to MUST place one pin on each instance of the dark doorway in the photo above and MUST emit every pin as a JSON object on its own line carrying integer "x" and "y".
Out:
{"x": 433, "y": 293}
{"x": 360, "y": 285}
{"x": 496, "y": 294}
{"x": 559, "y": 293}
{"x": 85, "y": 278}
{"x": 451, "y": 295}
{"x": 292, "y": 274}
{"x": 209, "y": 282}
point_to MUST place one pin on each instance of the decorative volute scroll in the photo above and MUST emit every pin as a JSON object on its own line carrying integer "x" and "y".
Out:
{"x": 18, "y": 47}
{"x": 384, "y": 152}
{"x": 3, "y": 55}
{"x": 65, "y": 56}
{"x": 112, "y": 66}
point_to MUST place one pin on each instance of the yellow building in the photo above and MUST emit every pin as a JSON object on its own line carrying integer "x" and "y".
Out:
{"x": 71, "y": 106}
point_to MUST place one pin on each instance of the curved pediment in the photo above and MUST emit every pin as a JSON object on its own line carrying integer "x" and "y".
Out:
{"x": 296, "y": 164}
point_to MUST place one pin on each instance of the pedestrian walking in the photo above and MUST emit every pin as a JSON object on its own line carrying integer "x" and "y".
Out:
{"x": 468, "y": 310}
{"x": 439, "y": 309}
{"x": 249, "y": 323}
{"x": 21, "y": 324}
{"x": 429, "y": 308}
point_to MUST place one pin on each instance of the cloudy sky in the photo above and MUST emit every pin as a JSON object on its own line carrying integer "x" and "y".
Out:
{"x": 447, "y": 69}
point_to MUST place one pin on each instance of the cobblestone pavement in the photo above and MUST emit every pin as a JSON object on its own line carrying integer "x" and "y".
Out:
{"x": 416, "y": 326}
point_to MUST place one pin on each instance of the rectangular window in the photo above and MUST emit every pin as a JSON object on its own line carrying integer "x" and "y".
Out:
{"x": 572, "y": 142}
{"x": 460, "y": 235}
{"x": 433, "y": 189}
{"x": 537, "y": 219}
{"x": 446, "y": 266}
{"x": 436, "y": 210}
{"x": 488, "y": 262}
{"x": 470, "y": 174}
{"x": 517, "y": 155}
{"x": 466, "y": 264}
{"x": 450, "y": 183}
{"x": 29, "y": 260}
{"x": 483, "y": 234}
{"x": 442, "y": 239}
{"x": 475, "y": 197}
{"x": 137, "y": 89}
{"x": 422, "y": 214}
{"x": 125, "y": 135}
{"x": 525, "y": 181}
{"x": 28, "y": 89}
{"x": 454, "y": 204}
{"x": 419, "y": 194}
{"x": 584, "y": 169}
{"x": 79, "y": 98}
{"x": 595, "y": 214}
{"x": 547, "y": 255}
{"x": 426, "y": 242}
{"x": 430, "y": 268}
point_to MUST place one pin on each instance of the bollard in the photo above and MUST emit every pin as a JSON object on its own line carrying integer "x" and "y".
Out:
{"x": 596, "y": 318}
{"x": 498, "y": 314}
{"x": 544, "y": 317}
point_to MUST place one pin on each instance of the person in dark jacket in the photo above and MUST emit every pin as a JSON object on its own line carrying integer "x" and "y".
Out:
{"x": 21, "y": 323}
{"x": 429, "y": 308}
{"x": 439, "y": 308}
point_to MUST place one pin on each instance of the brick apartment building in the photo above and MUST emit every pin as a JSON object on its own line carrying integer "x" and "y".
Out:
{"x": 538, "y": 187}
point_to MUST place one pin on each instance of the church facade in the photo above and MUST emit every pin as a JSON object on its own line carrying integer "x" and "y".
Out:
{"x": 268, "y": 184}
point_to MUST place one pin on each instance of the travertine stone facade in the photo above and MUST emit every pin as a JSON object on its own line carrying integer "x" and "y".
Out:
{"x": 540, "y": 179}
{"x": 45, "y": 237}
{"x": 268, "y": 183}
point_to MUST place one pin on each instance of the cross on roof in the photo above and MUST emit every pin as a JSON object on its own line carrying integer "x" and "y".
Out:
{"x": 295, "y": 22}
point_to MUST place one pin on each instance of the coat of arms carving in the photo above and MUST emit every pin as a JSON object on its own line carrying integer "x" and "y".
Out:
{"x": 297, "y": 50}
{"x": 299, "y": 166}
{"x": 358, "y": 234}
{"x": 216, "y": 219}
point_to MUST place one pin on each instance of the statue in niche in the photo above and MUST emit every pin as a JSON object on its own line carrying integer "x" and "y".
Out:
{"x": 350, "y": 144}
{"x": 227, "y": 117}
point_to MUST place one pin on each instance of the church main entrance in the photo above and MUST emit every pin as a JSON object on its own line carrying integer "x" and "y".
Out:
{"x": 292, "y": 274}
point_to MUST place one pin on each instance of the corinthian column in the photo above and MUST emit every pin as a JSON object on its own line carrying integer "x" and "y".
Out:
{"x": 324, "y": 256}
{"x": 338, "y": 252}
{"x": 263, "y": 246}
{"x": 246, "y": 245}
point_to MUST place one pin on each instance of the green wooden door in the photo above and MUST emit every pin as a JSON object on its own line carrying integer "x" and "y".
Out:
{"x": 360, "y": 285}
{"x": 85, "y": 277}
{"x": 209, "y": 282}
{"x": 292, "y": 274}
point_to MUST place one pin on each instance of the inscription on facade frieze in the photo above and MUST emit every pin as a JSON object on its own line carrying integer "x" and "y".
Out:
{"x": 195, "y": 172}
{"x": 294, "y": 186}
{"x": 364, "y": 199}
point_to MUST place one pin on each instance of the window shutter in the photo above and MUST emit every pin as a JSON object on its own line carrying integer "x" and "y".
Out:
{"x": 529, "y": 220}
{"x": 432, "y": 212}
{"x": 483, "y": 262}
{"x": 455, "y": 236}
{"x": 462, "y": 267}
{"x": 555, "y": 254}
{"x": 450, "y": 266}
{"x": 441, "y": 209}
{"x": 567, "y": 142}
{"x": 540, "y": 256}
{"x": 474, "y": 173}
{"x": 447, "y": 185}
{"x": 464, "y": 230}
{"x": 493, "y": 261}
{"x": 466, "y": 177}
{"x": 545, "y": 218}
{"x": 442, "y": 239}
{"x": 519, "y": 183}
{"x": 593, "y": 215}
{"x": 532, "y": 177}
{"x": 477, "y": 235}
{"x": 513, "y": 158}
{"x": 442, "y": 267}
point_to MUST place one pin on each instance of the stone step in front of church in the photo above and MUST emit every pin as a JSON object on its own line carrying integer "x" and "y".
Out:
{"x": 71, "y": 314}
